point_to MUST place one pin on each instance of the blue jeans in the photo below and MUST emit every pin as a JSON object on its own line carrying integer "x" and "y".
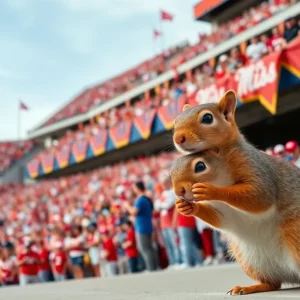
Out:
{"x": 133, "y": 264}
{"x": 44, "y": 276}
{"x": 27, "y": 279}
{"x": 59, "y": 277}
{"x": 189, "y": 250}
{"x": 171, "y": 246}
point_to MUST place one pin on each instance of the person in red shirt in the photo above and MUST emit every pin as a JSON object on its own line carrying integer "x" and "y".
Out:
{"x": 28, "y": 262}
{"x": 276, "y": 42}
{"x": 110, "y": 254}
{"x": 188, "y": 238}
{"x": 44, "y": 267}
{"x": 8, "y": 265}
{"x": 59, "y": 262}
{"x": 130, "y": 246}
{"x": 165, "y": 205}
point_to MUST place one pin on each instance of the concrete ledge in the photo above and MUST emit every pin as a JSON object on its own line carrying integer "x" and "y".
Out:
{"x": 206, "y": 283}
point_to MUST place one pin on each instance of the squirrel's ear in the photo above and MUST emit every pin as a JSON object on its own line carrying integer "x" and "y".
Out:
{"x": 186, "y": 106}
{"x": 227, "y": 104}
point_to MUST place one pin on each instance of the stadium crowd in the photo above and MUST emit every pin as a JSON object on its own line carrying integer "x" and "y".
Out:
{"x": 109, "y": 221}
{"x": 201, "y": 77}
{"x": 172, "y": 58}
{"x": 12, "y": 151}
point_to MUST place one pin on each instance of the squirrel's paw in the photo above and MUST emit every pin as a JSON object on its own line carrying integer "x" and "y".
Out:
{"x": 185, "y": 208}
{"x": 205, "y": 191}
{"x": 258, "y": 288}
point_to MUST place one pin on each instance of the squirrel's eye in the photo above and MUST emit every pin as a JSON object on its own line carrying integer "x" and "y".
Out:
{"x": 207, "y": 119}
{"x": 200, "y": 167}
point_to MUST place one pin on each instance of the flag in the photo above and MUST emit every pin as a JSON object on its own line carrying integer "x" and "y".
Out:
{"x": 165, "y": 16}
{"x": 23, "y": 106}
{"x": 156, "y": 33}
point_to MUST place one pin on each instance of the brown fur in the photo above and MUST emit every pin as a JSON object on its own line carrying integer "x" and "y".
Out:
{"x": 259, "y": 181}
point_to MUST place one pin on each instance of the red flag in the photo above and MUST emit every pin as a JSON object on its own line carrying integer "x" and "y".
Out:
{"x": 156, "y": 33}
{"x": 23, "y": 106}
{"x": 165, "y": 16}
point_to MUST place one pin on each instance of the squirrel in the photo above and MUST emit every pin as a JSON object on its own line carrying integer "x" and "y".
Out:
{"x": 252, "y": 197}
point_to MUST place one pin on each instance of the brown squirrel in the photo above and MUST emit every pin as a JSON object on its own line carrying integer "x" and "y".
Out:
{"x": 250, "y": 196}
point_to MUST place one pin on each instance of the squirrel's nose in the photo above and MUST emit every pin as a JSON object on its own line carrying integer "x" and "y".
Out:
{"x": 180, "y": 139}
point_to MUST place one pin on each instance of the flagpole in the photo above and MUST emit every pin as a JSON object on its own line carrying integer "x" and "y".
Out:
{"x": 162, "y": 33}
{"x": 19, "y": 121}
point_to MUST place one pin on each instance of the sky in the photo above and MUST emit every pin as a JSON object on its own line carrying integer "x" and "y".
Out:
{"x": 51, "y": 50}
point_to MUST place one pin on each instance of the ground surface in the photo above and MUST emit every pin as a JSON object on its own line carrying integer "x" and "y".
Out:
{"x": 207, "y": 283}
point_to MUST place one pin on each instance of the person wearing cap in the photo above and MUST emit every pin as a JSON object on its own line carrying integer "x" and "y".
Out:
{"x": 292, "y": 149}
{"x": 59, "y": 261}
{"x": 279, "y": 151}
{"x": 93, "y": 242}
{"x": 28, "y": 262}
{"x": 8, "y": 265}
{"x": 142, "y": 210}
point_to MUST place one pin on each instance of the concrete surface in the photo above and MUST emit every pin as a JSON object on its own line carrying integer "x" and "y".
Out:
{"x": 206, "y": 283}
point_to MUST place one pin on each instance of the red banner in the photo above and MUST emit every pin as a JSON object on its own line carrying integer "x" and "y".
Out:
{"x": 98, "y": 142}
{"x": 120, "y": 134}
{"x": 47, "y": 161}
{"x": 79, "y": 150}
{"x": 167, "y": 114}
{"x": 62, "y": 157}
{"x": 33, "y": 167}
{"x": 255, "y": 81}
{"x": 144, "y": 123}
{"x": 290, "y": 58}
{"x": 212, "y": 93}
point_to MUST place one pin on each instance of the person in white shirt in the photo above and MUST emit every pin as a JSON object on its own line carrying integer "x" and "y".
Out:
{"x": 256, "y": 50}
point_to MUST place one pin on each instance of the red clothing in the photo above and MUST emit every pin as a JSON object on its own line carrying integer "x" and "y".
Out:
{"x": 59, "y": 261}
{"x": 185, "y": 221}
{"x": 131, "y": 251}
{"x": 44, "y": 257}
{"x": 7, "y": 268}
{"x": 111, "y": 250}
{"x": 207, "y": 241}
{"x": 30, "y": 267}
{"x": 166, "y": 219}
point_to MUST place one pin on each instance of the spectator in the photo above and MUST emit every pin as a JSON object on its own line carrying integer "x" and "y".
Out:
{"x": 142, "y": 211}
{"x": 8, "y": 265}
{"x": 279, "y": 151}
{"x": 28, "y": 261}
{"x": 44, "y": 267}
{"x": 75, "y": 246}
{"x": 236, "y": 60}
{"x": 130, "y": 246}
{"x": 292, "y": 149}
{"x": 256, "y": 49}
{"x": 291, "y": 30}
{"x": 93, "y": 243}
{"x": 276, "y": 42}
{"x": 222, "y": 67}
{"x": 110, "y": 255}
{"x": 59, "y": 260}
{"x": 188, "y": 239}
{"x": 120, "y": 238}
{"x": 165, "y": 205}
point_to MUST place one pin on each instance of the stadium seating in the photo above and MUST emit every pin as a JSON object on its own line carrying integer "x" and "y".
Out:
{"x": 12, "y": 151}
{"x": 172, "y": 58}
